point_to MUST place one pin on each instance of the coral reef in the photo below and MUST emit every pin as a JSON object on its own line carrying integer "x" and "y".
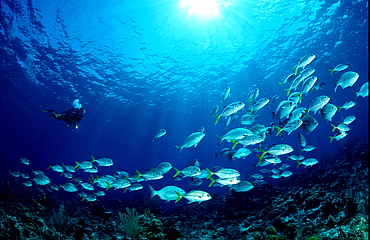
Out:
{"x": 329, "y": 203}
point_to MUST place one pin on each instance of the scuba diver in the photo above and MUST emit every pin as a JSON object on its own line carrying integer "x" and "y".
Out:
{"x": 72, "y": 116}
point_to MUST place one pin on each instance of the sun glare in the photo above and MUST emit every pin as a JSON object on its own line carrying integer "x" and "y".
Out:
{"x": 201, "y": 8}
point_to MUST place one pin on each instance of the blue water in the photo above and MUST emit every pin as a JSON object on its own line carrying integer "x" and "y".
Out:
{"x": 140, "y": 66}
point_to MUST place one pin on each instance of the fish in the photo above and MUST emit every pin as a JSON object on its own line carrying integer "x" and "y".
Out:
{"x": 225, "y": 94}
{"x": 338, "y": 136}
{"x": 257, "y": 176}
{"x": 307, "y": 72}
{"x": 309, "y": 123}
{"x": 303, "y": 62}
{"x": 67, "y": 175}
{"x": 37, "y": 172}
{"x": 159, "y": 134}
{"x": 364, "y": 90}
{"x": 240, "y": 153}
{"x": 279, "y": 149}
{"x": 347, "y": 105}
{"x": 94, "y": 169}
{"x": 195, "y": 162}
{"x": 214, "y": 110}
{"x": 259, "y": 104}
{"x": 274, "y": 99}
{"x": 301, "y": 139}
{"x": 288, "y": 79}
{"x": 223, "y": 152}
{"x": 248, "y": 119}
{"x": 341, "y": 127}
{"x": 229, "y": 109}
{"x": 83, "y": 165}
{"x": 68, "y": 187}
{"x": 252, "y": 95}
{"x": 151, "y": 174}
{"x": 27, "y": 183}
{"x": 224, "y": 173}
{"x": 234, "y": 134}
{"x": 167, "y": 193}
{"x": 189, "y": 171}
{"x": 308, "y": 162}
{"x": 69, "y": 168}
{"x": 328, "y": 111}
{"x": 134, "y": 187}
{"x": 349, "y": 119}
{"x": 25, "y": 161}
{"x": 307, "y": 148}
{"x": 286, "y": 174}
{"x": 89, "y": 198}
{"x": 307, "y": 85}
{"x": 15, "y": 173}
{"x": 87, "y": 186}
{"x": 163, "y": 167}
{"x": 297, "y": 114}
{"x": 102, "y": 162}
{"x": 242, "y": 186}
{"x": 195, "y": 182}
{"x": 248, "y": 140}
{"x": 194, "y": 196}
{"x": 119, "y": 183}
{"x": 100, "y": 193}
{"x": 338, "y": 68}
{"x": 346, "y": 80}
{"x": 296, "y": 82}
{"x": 318, "y": 103}
{"x": 224, "y": 181}
{"x": 192, "y": 140}
{"x": 284, "y": 109}
{"x": 290, "y": 126}
{"x": 56, "y": 168}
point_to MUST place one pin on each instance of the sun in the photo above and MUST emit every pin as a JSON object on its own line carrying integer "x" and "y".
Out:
{"x": 201, "y": 8}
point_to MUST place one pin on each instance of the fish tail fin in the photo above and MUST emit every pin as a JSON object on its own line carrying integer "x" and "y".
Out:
{"x": 47, "y": 110}
{"x": 331, "y": 71}
{"x": 336, "y": 85}
{"x": 77, "y": 165}
{"x": 92, "y": 158}
{"x": 152, "y": 191}
{"x": 295, "y": 70}
{"x": 331, "y": 138}
{"x": 263, "y": 153}
{"x": 220, "y": 139}
{"x": 334, "y": 127}
{"x": 49, "y": 166}
{"x": 154, "y": 138}
{"x": 356, "y": 94}
{"x": 217, "y": 119}
{"x": 179, "y": 196}
{"x": 279, "y": 130}
{"x": 235, "y": 143}
{"x": 177, "y": 172}
{"x": 212, "y": 182}
{"x": 300, "y": 98}
{"x": 216, "y": 155}
{"x": 210, "y": 173}
{"x": 138, "y": 174}
{"x": 109, "y": 186}
{"x": 179, "y": 147}
{"x": 298, "y": 163}
{"x": 124, "y": 191}
{"x": 82, "y": 199}
{"x": 288, "y": 91}
{"x": 273, "y": 115}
